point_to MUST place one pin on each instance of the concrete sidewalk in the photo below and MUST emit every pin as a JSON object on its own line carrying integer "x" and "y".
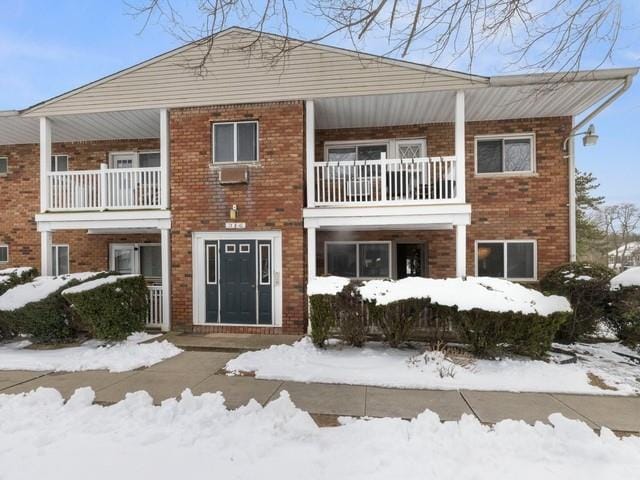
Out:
{"x": 200, "y": 371}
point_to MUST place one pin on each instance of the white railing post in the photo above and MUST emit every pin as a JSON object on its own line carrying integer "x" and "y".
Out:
{"x": 165, "y": 247}
{"x": 460, "y": 147}
{"x": 164, "y": 159}
{"x": 45, "y": 162}
{"x": 383, "y": 178}
{"x": 104, "y": 185}
{"x": 310, "y": 146}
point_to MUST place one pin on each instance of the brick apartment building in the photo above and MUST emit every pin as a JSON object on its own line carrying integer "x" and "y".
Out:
{"x": 228, "y": 190}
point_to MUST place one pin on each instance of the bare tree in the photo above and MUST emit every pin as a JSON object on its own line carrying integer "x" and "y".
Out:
{"x": 621, "y": 223}
{"x": 536, "y": 34}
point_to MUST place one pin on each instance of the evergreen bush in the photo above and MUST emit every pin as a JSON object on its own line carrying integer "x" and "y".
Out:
{"x": 322, "y": 317}
{"x": 623, "y": 315}
{"x": 587, "y": 288}
{"x": 397, "y": 321}
{"x": 112, "y": 311}
{"x": 12, "y": 279}
{"x": 351, "y": 316}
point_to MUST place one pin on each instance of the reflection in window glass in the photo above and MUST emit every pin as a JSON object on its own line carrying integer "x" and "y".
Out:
{"x": 247, "y": 142}
{"x": 223, "y": 142}
{"x": 149, "y": 159}
{"x": 489, "y": 153}
{"x": 517, "y": 155}
{"x": 265, "y": 265}
{"x": 341, "y": 259}
{"x": 151, "y": 261}
{"x": 371, "y": 152}
{"x": 212, "y": 264}
{"x": 520, "y": 260}
{"x": 374, "y": 260}
{"x": 342, "y": 154}
{"x": 491, "y": 259}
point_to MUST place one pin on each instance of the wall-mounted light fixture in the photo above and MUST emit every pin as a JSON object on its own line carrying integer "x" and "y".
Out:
{"x": 589, "y": 137}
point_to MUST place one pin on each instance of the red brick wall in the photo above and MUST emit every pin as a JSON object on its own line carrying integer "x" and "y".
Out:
{"x": 272, "y": 200}
{"x": 506, "y": 207}
{"x": 20, "y": 198}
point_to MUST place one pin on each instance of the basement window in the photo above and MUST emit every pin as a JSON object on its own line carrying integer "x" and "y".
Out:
{"x": 4, "y": 253}
{"x": 510, "y": 259}
{"x": 4, "y": 166}
{"x": 508, "y": 154}
{"x": 235, "y": 142}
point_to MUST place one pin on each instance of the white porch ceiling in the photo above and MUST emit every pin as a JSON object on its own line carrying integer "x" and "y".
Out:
{"x": 16, "y": 129}
{"x": 496, "y": 102}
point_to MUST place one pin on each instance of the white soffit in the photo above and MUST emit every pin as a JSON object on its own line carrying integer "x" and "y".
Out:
{"x": 485, "y": 103}
{"x": 15, "y": 129}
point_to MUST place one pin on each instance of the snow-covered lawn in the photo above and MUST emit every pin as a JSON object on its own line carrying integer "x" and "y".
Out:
{"x": 197, "y": 437}
{"x": 91, "y": 355}
{"x": 379, "y": 365}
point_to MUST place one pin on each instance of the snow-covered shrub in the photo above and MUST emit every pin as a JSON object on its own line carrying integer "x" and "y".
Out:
{"x": 110, "y": 308}
{"x": 397, "y": 320}
{"x": 587, "y": 288}
{"x": 38, "y": 309}
{"x": 623, "y": 315}
{"x": 10, "y": 277}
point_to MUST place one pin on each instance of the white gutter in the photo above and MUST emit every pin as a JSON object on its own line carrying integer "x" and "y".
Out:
{"x": 569, "y": 146}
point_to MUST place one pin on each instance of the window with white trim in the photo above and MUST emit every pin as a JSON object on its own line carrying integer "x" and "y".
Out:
{"x": 60, "y": 259}
{"x": 235, "y": 142}
{"x": 358, "y": 259}
{"x": 507, "y": 154}
{"x": 510, "y": 259}
{"x": 4, "y": 253}
{"x": 59, "y": 163}
{"x": 349, "y": 153}
{"x": 4, "y": 166}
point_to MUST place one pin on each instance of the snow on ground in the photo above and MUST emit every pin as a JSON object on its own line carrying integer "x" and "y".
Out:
{"x": 39, "y": 288}
{"x": 83, "y": 287}
{"x": 380, "y": 365}
{"x": 492, "y": 294}
{"x": 628, "y": 278}
{"x": 197, "y": 437}
{"x": 91, "y": 355}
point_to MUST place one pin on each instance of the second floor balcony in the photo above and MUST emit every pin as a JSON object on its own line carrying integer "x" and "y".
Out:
{"x": 105, "y": 189}
{"x": 392, "y": 181}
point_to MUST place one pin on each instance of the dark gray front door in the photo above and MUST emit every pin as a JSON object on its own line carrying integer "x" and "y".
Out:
{"x": 238, "y": 281}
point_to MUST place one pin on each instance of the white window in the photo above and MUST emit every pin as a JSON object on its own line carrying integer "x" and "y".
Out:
{"x": 349, "y": 153}
{"x": 235, "y": 142}
{"x": 60, "y": 259}
{"x": 358, "y": 259}
{"x": 59, "y": 163}
{"x": 4, "y": 166}
{"x": 511, "y": 259}
{"x": 506, "y": 154}
{"x": 147, "y": 159}
{"x": 134, "y": 258}
{"x": 4, "y": 253}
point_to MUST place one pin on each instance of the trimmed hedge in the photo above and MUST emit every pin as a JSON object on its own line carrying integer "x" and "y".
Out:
{"x": 397, "y": 321}
{"x": 588, "y": 290}
{"x": 14, "y": 279}
{"x": 623, "y": 315}
{"x": 321, "y": 317}
{"x": 112, "y": 311}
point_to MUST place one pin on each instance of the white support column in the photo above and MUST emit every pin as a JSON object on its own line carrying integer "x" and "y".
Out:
{"x": 460, "y": 147}
{"x": 461, "y": 251}
{"x": 310, "y": 134}
{"x": 45, "y": 162}
{"x": 165, "y": 160}
{"x": 311, "y": 267}
{"x": 45, "y": 253}
{"x": 165, "y": 247}
{"x": 572, "y": 201}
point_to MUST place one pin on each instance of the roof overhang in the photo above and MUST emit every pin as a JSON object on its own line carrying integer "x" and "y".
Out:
{"x": 16, "y": 129}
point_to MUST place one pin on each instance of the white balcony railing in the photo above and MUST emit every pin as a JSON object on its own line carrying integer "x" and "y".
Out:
{"x": 387, "y": 181}
{"x": 105, "y": 189}
{"x": 155, "y": 306}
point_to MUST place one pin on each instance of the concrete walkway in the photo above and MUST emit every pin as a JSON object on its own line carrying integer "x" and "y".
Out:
{"x": 200, "y": 371}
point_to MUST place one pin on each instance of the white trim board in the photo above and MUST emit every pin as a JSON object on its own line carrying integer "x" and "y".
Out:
{"x": 199, "y": 279}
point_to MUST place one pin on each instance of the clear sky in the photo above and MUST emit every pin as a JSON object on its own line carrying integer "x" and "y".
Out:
{"x": 48, "y": 47}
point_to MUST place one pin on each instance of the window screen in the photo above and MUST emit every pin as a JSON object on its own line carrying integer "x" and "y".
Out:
{"x": 223, "y": 142}
{"x": 520, "y": 262}
{"x": 489, "y": 153}
{"x": 149, "y": 159}
{"x": 247, "y": 142}
{"x": 342, "y": 259}
{"x": 151, "y": 261}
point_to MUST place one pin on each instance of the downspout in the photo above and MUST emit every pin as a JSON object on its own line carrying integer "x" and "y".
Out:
{"x": 569, "y": 147}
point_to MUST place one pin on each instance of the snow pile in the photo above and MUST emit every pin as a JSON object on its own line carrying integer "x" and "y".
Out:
{"x": 41, "y": 436}
{"x": 490, "y": 294}
{"x": 38, "y": 289}
{"x": 377, "y": 365}
{"x": 326, "y": 285}
{"x": 628, "y": 278}
{"x": 92, "y": 355}
{"x": 90, "y": 285}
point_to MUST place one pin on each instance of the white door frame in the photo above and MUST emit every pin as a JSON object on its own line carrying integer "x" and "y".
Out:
{"x": 199, "y": 275}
